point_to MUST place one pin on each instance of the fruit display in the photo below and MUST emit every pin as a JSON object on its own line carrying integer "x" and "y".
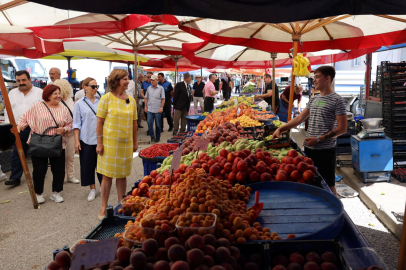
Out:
{"x": 246, "y": 121}
{"x": 199, "y": 204}
{"x": 310, "y": 261}
{"x": 225, "y": 115}
{"x": 205, "y": 113}
{"x": 132, "y": 205}
{"x": 278, "y": 123}
{"x": 242, "y": 99}
{"x": 261, "y": 115}
{"x": 196, "y": 223}
{"x": 158, "y": 150}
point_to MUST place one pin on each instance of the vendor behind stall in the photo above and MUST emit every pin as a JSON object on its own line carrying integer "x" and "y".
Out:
{"x": 327, "y": 120}
{"x": 284, "y": 103}
{"x": 267, "y": 96}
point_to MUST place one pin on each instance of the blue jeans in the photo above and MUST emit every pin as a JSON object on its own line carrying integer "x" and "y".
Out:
{"x": 150, "y": 120}
{"x": 16, "y": 167}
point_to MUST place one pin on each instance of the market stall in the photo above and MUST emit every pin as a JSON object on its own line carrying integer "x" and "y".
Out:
{"x": 226, "y": 191}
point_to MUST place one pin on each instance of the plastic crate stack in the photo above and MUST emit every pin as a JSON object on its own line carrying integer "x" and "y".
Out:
{"x": 343, "y": 146}
{"x": 377, "y": 86}
{"x": 394, "y": 107}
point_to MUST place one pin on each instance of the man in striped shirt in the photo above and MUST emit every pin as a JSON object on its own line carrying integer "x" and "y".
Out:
{"x": 327, "y": 120}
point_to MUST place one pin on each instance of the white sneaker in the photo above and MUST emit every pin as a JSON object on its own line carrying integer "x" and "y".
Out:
{"x": 56, "y": 197}
{"x": 73, "y": 180}
{"x": 92, "y": 195}
{"x": 40, "y": 198}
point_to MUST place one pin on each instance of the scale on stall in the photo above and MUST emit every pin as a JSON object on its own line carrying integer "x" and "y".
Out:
{"x": 371, "y": 128}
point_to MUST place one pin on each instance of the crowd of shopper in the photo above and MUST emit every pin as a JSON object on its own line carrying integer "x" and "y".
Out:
{"x": 102, "y": 129}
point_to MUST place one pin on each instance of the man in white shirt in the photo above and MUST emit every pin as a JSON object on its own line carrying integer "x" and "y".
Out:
{"x": 54, "y": 74}
{"x": 21, "y": 99}
{"x": 261, "y": 85}
{"x": 131, "y": 89}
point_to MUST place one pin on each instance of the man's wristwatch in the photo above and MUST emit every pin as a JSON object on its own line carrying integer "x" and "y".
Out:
{"x": 318, "y": 139}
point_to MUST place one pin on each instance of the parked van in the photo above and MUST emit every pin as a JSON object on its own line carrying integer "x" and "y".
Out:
{"x": 10, "y": 65}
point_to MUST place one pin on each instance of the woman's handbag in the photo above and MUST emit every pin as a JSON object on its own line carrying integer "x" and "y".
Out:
{"x": 46, "y": 145}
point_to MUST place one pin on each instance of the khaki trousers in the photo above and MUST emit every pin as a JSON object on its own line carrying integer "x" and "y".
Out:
{"x": 182, "y": 116}
{"x": 70, "y": 157}
{"x": 199, "y": 100}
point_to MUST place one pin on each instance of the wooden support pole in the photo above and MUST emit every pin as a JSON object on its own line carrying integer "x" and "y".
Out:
{"x": 367, "y": 76}
{"x": 402, "y": 251}
{"x": 292, "y": 83}
{"x": 274, "y": 93}
{"x": 135, "y": 49}
{"x": 18, "y": 142}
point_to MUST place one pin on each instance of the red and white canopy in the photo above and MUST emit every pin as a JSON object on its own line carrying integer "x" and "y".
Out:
{"x": 212, "y": 55}
{"x": 169, "y": 62}
{"x": 19, "y": 41}
{"x": 344, "y": 32}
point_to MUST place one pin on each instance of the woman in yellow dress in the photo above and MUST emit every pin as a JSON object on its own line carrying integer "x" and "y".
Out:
{"x": 116, "y": 136}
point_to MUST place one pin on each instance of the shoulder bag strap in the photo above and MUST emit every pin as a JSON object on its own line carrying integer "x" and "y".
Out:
{"x": 63, "y": 102}
{"x": 57, "y": 126}
{"x": 89, "y": 106}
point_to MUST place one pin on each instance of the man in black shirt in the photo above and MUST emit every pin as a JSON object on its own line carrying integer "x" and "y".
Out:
{"x": 198, "y": 95}
{"x": 267, "y": 96}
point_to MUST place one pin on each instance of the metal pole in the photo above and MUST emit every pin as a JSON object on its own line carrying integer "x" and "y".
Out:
{"x": 273, "y": 56}
{"x": 176, "y": 69}
{"x": 292, "y": 83}
{"x": 135, "y": 48}
{"x": 18, "y": 142}
{"x": 402, "y": 251}
{"x": 69, "y": 58}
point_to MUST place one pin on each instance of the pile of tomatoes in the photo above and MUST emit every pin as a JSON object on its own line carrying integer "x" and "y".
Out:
{"x": 158, "y": 150}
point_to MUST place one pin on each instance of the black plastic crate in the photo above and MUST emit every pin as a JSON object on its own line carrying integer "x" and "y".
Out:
{"x": 400, "y": 178}
{"x": 391, "y": 129}
{"x": 286, "y": 248}
{"x": 343, "y": 140}
{"x": 395, "y": 135}
{"x": 392, "y": 117}
{"x": 108, "y": 227}
{"x": 389, "y": 96}
{"x": 399, "y": 164}
{"x": 397, "y": 147}
{"x": 343, "y": 150}
{"x": 261, "y": 248}
{"x": 343, "y": 162}
{"x": 394, "y": 125}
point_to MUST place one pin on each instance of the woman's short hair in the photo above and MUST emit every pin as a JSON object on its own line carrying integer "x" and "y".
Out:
{"x": 49, "y": 90}
{"x": 65, "y": 87}
{"x": 114, "y": 78}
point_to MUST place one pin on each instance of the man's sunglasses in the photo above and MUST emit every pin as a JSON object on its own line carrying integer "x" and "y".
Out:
{"x": 94, "y": 86}
{"x": 149, "y": 77}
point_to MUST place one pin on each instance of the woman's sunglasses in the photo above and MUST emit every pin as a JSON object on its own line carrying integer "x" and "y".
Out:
{"x": 94, "y": 86}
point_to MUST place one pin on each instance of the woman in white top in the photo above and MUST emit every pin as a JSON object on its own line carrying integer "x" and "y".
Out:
{"x": 66, "y": 91}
